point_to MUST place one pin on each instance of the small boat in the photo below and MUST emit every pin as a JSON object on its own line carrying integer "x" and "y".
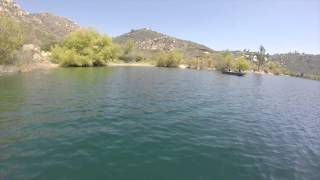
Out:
{"x": 234, "y": 73}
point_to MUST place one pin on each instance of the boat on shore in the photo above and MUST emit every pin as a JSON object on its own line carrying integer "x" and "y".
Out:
{"x": 234, "y": 73}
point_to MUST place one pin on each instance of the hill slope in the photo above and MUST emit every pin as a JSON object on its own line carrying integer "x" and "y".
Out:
{"x": 307, "y": 64}
{"x": 41, "y": 28}
{"x": 149, "y": 42}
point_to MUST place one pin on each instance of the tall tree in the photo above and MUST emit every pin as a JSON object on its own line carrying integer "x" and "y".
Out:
{"x": 261, "y": 56}
{"x": 11, "y": 38}
{"x": 128, "y": 47}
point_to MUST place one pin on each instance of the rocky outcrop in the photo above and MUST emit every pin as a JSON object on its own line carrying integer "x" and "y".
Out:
{"x": 33, "y": 54}
{"x": 41, "y": 29}
{"x": 11, "y": 8}
{"x": 56, "y": 25}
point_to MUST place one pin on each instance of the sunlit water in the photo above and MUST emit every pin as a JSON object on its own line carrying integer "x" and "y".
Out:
{"x": 158, "y": 124}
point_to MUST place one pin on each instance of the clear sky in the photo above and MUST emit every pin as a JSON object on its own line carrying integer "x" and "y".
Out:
{"x": 280, "y": 25}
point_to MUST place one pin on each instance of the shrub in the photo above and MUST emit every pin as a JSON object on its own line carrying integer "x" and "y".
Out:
{"x": 139, "y": 58}
{"x": 172, "y": 58}
{"x": 11, "y": 39}
{"x": 84, "y": 48}
{"x": 242, "y": 64}
{"x": 226, "y": 63}
{"x": 130, "y": 53}
{"x": 274, "y": 67}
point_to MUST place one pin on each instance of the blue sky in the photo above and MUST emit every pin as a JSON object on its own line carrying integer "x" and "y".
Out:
{"x": 280, "y": 25}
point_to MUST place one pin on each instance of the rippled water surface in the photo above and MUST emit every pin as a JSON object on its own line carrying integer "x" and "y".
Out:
{"x": 158, "y": 124}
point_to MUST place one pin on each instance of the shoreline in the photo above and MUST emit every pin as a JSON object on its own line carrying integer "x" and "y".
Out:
{"x": 14, "y": 69}
{"x": 121, "y": 64}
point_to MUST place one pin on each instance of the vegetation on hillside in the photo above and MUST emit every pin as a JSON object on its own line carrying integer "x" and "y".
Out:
{"x": 299, "y": 64}
{"x": 200, "y": 57}
{"x": 170, "y": 59}
{"x": 41, "y": 29}
{"x": 11, "y": 39}
{"x": 150, "y": 42}
{"x": 85, "y": 48}
{"x": 129, "y": 53}
{"x": 230, "y": 61}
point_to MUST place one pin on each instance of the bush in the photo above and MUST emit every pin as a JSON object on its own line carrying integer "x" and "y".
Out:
{"x": 226, "y": 63}
{"x": 127, "y": 58}
{"x": 172, "y": 58}
{"x": 11, "y": 39}
{"x": 130, "y": 53}
{"x": 139, "y": 58}
{"x": 242, "y": 64}
{"x": 274, "y": 67}
{"x": 84, "y": 48}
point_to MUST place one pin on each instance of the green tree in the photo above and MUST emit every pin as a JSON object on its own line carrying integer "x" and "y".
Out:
{"x": 172, "y": 58}
{"x": 115, "y": 53}
{"x": 242, "y": 64}
{"x": 228, "y": 63}
{"x": 84, "y": 48}
{"x": 261, "y": 56}
{"x": 128, "y": 48}
{"x": 11, "y": 39}
{"x": 129, "y": 53}
{"x": 160, "y": 59}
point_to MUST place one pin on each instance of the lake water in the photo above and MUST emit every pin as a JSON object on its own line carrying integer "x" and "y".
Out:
{"x": 138, "y": 123}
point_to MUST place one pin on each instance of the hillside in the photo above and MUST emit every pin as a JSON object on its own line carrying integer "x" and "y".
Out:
{"x": 41, "y": 28}
{"x": 149, "y": 42}
{"x": 307, "y": 64}
{"x": 297, "y": 63}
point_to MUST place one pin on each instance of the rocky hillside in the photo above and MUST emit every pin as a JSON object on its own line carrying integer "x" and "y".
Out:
{"x": 149, "y": 42}
{"x": 41, "y": 28}
{"x": 306, "y": 64}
